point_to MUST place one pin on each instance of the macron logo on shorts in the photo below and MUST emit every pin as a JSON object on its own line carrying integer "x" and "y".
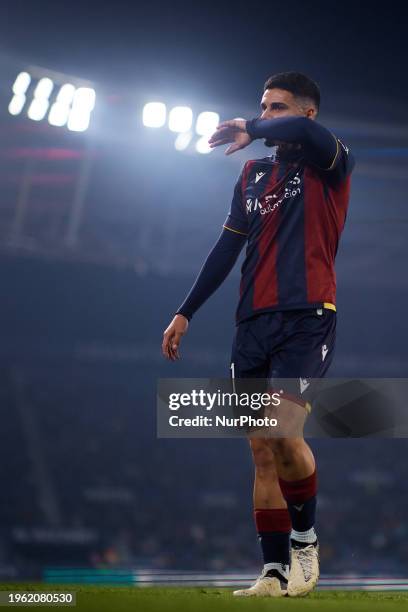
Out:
{"x": 325, "y": 350}
{"x": 303, "y": 384}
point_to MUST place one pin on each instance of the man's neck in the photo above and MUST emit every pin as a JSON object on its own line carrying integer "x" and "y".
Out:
{"x": 288, "y": 151}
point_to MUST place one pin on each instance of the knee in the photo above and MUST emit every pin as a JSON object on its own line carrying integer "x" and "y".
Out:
{"x": 284, "y": 449}
{"x": 263, "y": 456}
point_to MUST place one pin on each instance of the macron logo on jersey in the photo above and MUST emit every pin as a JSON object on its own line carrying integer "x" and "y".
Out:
{"x": 259, "y": 175}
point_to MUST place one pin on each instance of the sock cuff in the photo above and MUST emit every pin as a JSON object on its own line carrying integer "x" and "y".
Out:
{"x": 299, "y": 491}
{"x": 282, "y": 568}
{"x": 275, "y": 519}
{"x": 309, "y": 536}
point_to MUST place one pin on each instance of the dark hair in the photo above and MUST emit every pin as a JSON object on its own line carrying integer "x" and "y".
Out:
{"x": 297, "y": 83}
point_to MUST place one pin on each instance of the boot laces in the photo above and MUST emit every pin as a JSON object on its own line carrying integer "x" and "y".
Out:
{"x": 305, "y": 556}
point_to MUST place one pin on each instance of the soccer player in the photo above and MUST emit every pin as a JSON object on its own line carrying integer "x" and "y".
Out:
{"x": 289, "y": 209}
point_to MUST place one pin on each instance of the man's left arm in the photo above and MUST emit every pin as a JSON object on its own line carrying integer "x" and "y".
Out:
{"x": 320, "y": 147}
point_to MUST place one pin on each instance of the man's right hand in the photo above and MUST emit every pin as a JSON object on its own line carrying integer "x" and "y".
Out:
{"x": 233, "y": 131}
{"x": 172, "y": 337}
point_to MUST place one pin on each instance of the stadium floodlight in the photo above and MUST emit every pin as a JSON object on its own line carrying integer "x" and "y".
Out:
{"x": 180, "y": 119}
{"x": 154, "y": 114}
{"x": 207, "y": 123}
{"x": 21, "y": 84}
{"x": 60, "y": 110}
{"x": 183, "y": 140}
{"x": 202, "y": 145}
{"x": 83, "y": 104}
{"x": 16, "y": 104}
{"x": 40, "y": 103}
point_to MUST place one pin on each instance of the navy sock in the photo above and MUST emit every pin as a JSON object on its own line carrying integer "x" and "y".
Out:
{"x": 301, "y": 496}
{"x": 275, "y": 547}
{"x": 303, "y": 516}
{"x": 273, "y": 527}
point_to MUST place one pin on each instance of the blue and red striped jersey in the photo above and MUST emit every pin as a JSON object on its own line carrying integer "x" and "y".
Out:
{"x": 293, "y": 214}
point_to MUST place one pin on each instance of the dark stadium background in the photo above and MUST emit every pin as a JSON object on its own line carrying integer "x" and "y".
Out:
{"x": 84, "y": 480}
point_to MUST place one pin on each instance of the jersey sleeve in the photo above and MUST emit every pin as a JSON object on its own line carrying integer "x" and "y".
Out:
{"x": 215, "y": 270}
{"x": 321, "y": 148}
{"x": 342, "y": 165}
{"x": 237, "y": 220}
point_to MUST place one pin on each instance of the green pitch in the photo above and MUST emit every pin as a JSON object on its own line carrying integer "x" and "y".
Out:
{"x": 199, "y": 599}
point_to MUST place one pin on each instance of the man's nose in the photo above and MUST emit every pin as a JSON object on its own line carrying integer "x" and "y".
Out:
{"x": 267, "y": 115}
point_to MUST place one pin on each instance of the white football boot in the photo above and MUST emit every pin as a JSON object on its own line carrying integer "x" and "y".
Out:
{"x": 265, "y": 586}
{"x": 304, "y": 570}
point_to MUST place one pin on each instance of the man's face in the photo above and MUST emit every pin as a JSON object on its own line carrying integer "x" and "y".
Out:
{"x": 281, "y": 103}
{"x": 278, "y": 103}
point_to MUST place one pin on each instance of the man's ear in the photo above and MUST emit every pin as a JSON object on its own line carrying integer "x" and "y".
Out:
{"x": 311, "y": 113}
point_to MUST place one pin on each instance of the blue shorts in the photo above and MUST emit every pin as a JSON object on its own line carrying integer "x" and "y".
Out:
{"x": 289, "y": 344}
